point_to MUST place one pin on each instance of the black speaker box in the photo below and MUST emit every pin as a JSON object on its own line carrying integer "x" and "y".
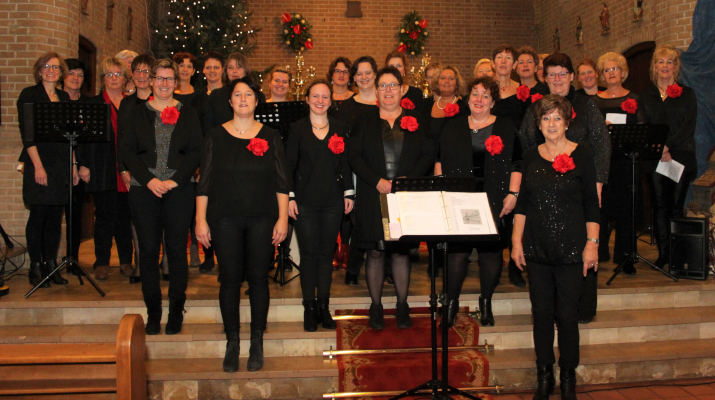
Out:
{"x": 689, "y": 252}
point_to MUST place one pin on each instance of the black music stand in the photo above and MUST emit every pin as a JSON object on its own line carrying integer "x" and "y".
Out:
{"x": 71, "y": 123}
{"x": 442, "y": 184}
{"x": 637, "y": 142}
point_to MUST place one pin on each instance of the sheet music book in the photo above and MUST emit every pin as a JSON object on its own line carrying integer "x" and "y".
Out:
{"x": 436, "y": 213}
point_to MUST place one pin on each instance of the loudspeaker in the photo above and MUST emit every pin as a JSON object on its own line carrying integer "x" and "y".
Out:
{"x": 689, "y": 255}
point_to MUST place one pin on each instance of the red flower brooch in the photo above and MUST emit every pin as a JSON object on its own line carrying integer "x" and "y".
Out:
{"x": 522, "y": 93}
{"x": 494, "y": 144}
{"x": 336, "y": 144}
{"x": 536, "y": 97}
{"x": 573, "y": 113}
{"x": 409, "y": 123}
{"x": 451, "y": 110}
{"x": 563, "y": 163}
{"x": 674, "y": 90}
{"x": 630, "y": 106}
{"x": 170, "y": 115}
{"x": 258, "y": 146}
{"x": 407, "y": 103}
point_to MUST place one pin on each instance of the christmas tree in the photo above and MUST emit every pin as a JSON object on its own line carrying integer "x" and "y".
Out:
{"x": 197, "y": 26}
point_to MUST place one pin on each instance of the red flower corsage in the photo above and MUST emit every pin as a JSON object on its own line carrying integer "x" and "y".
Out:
{"x": 377, "y": 103}
{"x": 336, "y": 144}
{"x": 674, "y": 90}
{"x": 451, "y": 110}
{"x": 150, "y": 98}
{"x": 258, "y": 146}
{"x": 522, "y": 93}
{"x": 630, "y": 106}
{"x": 407, "y": 103}
{"x": 409, "y": 123}
{"x": 563, "y": 163}
{"x": 573, "y": 113}
{"x": 494, "y": 144}
{"x": 170, "y": 115}
{"x": 536, "y": 97}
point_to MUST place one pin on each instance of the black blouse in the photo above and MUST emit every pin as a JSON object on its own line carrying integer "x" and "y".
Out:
{"x": 511, "y": 108}
{"x": 436, "y": 125}
{"x": 540, "y": 88}
{"x": 613, "y": 106}
{"x": 217, "y": 110}
{"x": 557, "y": 207}
{"x": 350, "y": 110}
{"x": 238, "y": 182}
{"x": 416, "y": 96}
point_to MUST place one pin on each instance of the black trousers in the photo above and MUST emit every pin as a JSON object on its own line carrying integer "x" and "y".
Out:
{"x": 356, "y": 256}
{"x": 317, "y": 228}
{"x": 168, "y": 216}
{"x": 77, "y": 201}
{"x": 43, "y": 232}
{"x": 112, "y": 220}
{"x": 588, "y": 303}
{"x": 554, "y": 292}
{"x": 243, "y": 245}
{"x": 668, "y": 199}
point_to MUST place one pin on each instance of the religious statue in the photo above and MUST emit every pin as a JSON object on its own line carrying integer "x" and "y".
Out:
{"x": 557, "y": 40}
{"x": 605, "y": 24}
{"x": 579, "y": 31}
{"x": 637, "y": 10}
{"x": 110, "y": 14}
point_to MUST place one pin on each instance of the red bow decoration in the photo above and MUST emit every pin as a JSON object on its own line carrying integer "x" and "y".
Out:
{"x": 413, "y": 35}
{"x": 494, "y": 144}
{"x": 563, "y": 163}
{"x": 522, "y": 93}
{"x": 170, "y": 115}
{"x": 296, "y": 29}
{"x": 573, "y": 113}
{"x": 630, "y": 106}
{"x": 336, "y": 144}
{"x": 536, "y": 97}
{"x": 407, "y": 103}
{"x": 674, "y": 90}
{"x": 423, "y": 24}
{"x": 451, "y": 110}
{"x": 409, "y": 123}
{"x": 309, "y": 44}
{"x": 286, "y": 18}
{"x": 258, "y": 146}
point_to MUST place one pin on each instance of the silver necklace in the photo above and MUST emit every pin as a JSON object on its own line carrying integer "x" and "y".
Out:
{"x": 557, "y": 153}
{"x": 240, "y": 132}
{"x": 320, "y": 127}
{"x": 477, "y": 124}
{"x": 445, "y": 106}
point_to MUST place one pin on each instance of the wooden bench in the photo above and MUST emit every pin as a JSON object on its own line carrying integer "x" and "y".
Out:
{"x": 79, "y": 368}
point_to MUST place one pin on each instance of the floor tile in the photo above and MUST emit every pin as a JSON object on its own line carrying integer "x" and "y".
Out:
{"x": 638, "y": 393}
{"x": 699, "y": 390}
{"x": 668, "y": 392}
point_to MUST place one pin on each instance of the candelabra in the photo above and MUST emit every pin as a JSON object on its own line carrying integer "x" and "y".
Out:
{"x": 419, "y": 79}
{"x": 301, "y": 78}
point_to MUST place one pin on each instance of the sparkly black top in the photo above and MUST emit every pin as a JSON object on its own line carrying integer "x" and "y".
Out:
{"x": 512, "y": 108}
{"x": 557, "y": 207}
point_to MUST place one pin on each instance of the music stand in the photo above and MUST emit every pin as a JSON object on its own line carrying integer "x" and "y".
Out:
{"x": 279, "y": 116}
{"x": 441, "y": 184}
{"x": 644, "y": 142}
{"x": 71, "y": 123}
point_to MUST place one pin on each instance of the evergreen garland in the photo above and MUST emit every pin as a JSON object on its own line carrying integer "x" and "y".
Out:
{"x": 295, "y": 32}
{"x": 412, "y": 34}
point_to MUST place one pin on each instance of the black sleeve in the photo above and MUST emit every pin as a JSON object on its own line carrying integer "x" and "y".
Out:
{"x": 121, "y": 122}
{"x": 687, "y": 129}
{"x": 202, "y": 189}
{"x": 516, "y": 155}
{"x": 640, "y": 112}
{"x": 589, "y": 193}
{"x": 426, "y": 161}
{"x": 527, "y": 132}
{"x": 521, "y": 201}
{"x": 21, "y": 101}
{"x": 599, "y": 140}
{"x": 355, "y": 150}
{"x": 192, "y": 150}
{"x": 129, "y": 150}
{"x": 292, "y": 152}
{"x": 209, "y": 111}
{"x": 284, "y": 181}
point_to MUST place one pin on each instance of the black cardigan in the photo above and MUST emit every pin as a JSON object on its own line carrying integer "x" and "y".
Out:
{"x": 301, "y": 162}
{"x": 367, "y": 159}
{"x": 100, "y": 158}
{"x": 125, "y": 106}
{"x": 138, "y": 145}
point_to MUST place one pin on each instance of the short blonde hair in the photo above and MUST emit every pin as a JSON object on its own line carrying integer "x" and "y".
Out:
{"x": 110, "y": 62}
{"x": 166, "y": 63}
{"x": 617, "y": 58}
{"x": 665, "y": 50}
{"x": 44, "y": 59}
{"x": 124, "y": 54}
{"x": 459, "y": 81}
{"x": 484, "y": 61}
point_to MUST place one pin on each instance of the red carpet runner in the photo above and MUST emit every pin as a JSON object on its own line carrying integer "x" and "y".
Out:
{"x": 400, "y": 372}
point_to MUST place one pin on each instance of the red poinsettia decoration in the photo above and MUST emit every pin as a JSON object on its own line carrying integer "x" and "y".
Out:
{"x": 409, "y": 123}
{"x": 494, "y": 144}
{"x": 402, "y": 48}
{"x": 285, "y": 17}
{"x": 573, "y": 113}
{"x": 451, "y": 110}
{"x": 522, "y": 93}
{"x": 170, "y": 115}
{"x": 423, "y": 24}
{"x": 674, "y": 90}
{"x": 296, "y": 29}
{"x": 336, "y": 144}
{"x": 630, "y": 106}
{"x": 536, "y": 97}
{"x": 308, "y": 44}
{"x": 258, "y": 146}
{"x": 563, "y": 163}
{"x": 407, "y": 104}
{"x": 414, "y": 35}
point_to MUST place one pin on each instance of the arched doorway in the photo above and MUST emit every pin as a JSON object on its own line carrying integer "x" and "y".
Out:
{"x": 88, "y": 54}
{"x": 638, "y": 58}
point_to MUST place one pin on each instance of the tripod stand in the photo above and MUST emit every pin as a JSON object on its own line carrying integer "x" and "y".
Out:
{"x": 280, "y": 263}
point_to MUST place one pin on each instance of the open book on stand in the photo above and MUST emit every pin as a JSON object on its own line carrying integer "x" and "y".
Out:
{"x": 436, "y": 213}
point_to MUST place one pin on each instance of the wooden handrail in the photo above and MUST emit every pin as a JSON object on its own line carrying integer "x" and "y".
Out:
{"x": 131, "y": 358}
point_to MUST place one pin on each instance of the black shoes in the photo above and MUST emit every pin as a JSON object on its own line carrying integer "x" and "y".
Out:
{"x": 310, "y": 316}
{"x": 515, "y": 276}
{"x": 230, "y": 360}
{"x": 568, "y": 384}
{"x": 326, "y": 320}
{"x": 176, "y": 318}
{"x": 351, "y": 279}
{"x": 545, "y": 382}
{"x": 485, "y": 307}
{"x": 403, "y": 316}
{"x": 255, "y": 353}
{"x": 377, "y": 317}
{"x": 452, "y": 311}
{"x": 207, "y": 266}
{"x": 36, "y": 276}
{"x": 629, "y": 269}
{"x": 57, "y": 279}
{"x": 153, "y": 324}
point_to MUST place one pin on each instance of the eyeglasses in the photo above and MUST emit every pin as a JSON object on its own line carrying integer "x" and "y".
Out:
{"x": 614, "y": 69}
{"x": 384, "y": 86}
{"x": 48, "y": 66}
{"x": 341, "y": 71}
{"x": 561, "y": 75}
{"x": 161, "y": 79}
{"x": 77, "y": 74}
{"x": 142, "y": 72}
{"x": 113, "y": 74}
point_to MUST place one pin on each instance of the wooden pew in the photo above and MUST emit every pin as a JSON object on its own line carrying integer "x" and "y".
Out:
{"x": 79, "y": 368}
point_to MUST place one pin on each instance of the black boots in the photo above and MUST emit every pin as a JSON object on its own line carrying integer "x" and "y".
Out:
{"x": 153, "y": 323}
{"x": 36, "y": 275}
{"x": 485, "y": 307}
{"x": 452, "y": 311}
{"x": 545, "y": 382}
{"x": 377, "y": 317}
{"x": 568, "y": 384}
{"x": 230, "y": 360}
{"x": 310, "y": 316}
{"x": 57, "y": 279}
{"x": 176, "y": 317}
{"x": 326, "y": 320}
{"x": 403, "y": 316}
{"x": 255, "y": 353}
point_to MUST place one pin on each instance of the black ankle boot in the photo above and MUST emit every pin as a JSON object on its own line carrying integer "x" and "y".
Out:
{"x": 515, "y": 276}
{"x": 377, "y": 317}
{"x": 568, "y": 384}
{"x": 310, "y": 316}
{"x": 35, "y": 275}
{"x": 44, "y": 269}
{"x": 452, "y": 311}
{"x": 255, "y": 353}
{"x": 326, "y": 320}
{"x": 545, "y": 382}
{"x": 485, "y": 307}
{"x": 176, "y": 317}
{"x": 403, "y": 316}
{"x": 57, "y": 279}
{"x": 230, "y": 360}
{"x": 153, "y": 324}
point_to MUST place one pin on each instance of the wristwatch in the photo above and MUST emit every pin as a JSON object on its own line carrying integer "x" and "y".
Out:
{"x": 593, "y": 240}
{"x": 516, "y": 194}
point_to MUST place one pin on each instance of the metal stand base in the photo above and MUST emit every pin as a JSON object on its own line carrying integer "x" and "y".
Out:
{"x": 78, "y": 271}
{"x": 280, "y": 264}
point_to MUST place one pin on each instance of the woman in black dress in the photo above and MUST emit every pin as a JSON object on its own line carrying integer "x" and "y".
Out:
{"x": 469, "y": 147}
{"x": 322, "y": 194}
{"x": 161, "y": 146}
{"x": 386, "y": 143}
{"x": 398, "y": 60}
{"x": 362, "y": 73}
{"x": 556, "y": 236}
{"x": 668, "y": 102}
{"x": 509, "y": 104}
{"x": 45, "y": 175}
{"x": 527, "y": 61}
{"x": 242, "y": 209}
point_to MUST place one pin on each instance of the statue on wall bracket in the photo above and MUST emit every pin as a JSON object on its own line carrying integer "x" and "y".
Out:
{"x": 579, "y": 31}
{"x": 637, "y": 10}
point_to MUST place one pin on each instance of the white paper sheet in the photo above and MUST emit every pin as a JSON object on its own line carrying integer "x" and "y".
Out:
{"x": 616, "y": 118}
{"x": 672, "y": 169}
{"x": 393, "y": 209}
{"x": 469, "y": 213}
{"x": 422, "y": 213}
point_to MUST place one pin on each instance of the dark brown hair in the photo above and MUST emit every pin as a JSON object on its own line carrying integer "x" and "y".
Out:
{"x": 316, "y": 83}
{"x": 37, "y": 68}
{"x": 487, "y": 83}
{"x": 502, "y": 48}
{"x": 558, "y": 60}
{"x": 528, "y": 50}
{"x": 180, "y": 57}
{"x": 397, "y": 54}
{"x": 142, "y": 59}
{"x": 391, "y": 71}
{"x": 363, "y": 59}
{"x": 334, "y": 64}
{"x": 552, "y": 102}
